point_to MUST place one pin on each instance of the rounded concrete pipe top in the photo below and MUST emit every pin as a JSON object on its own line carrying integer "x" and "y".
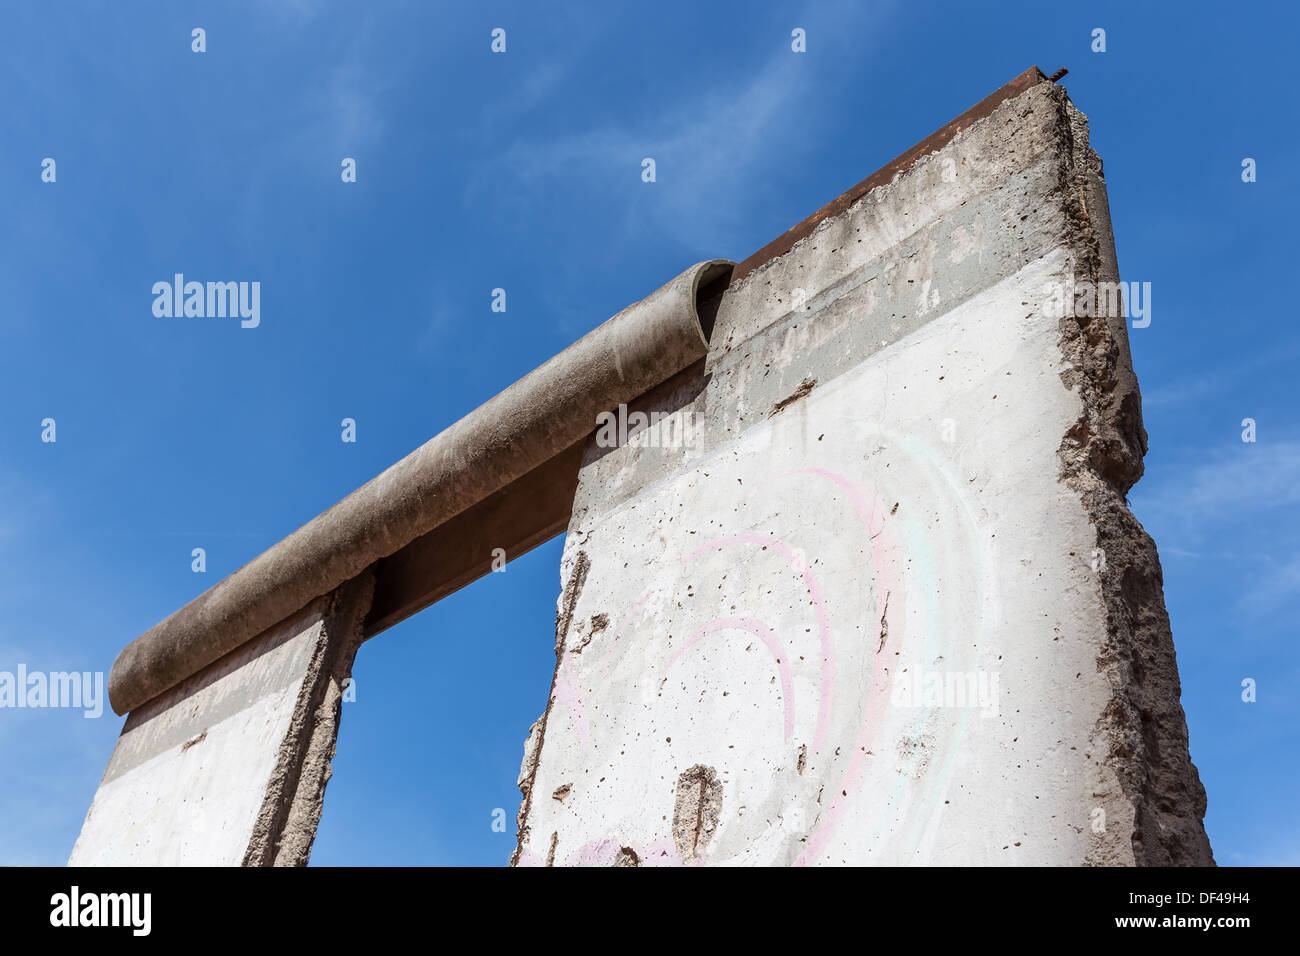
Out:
{"x": 536, "y": 418}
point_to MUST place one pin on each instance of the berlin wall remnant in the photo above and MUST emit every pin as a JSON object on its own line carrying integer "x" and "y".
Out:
{"x": 857, "y": 617}
{"x": 258, "y": 660}
{"x": 892, "y": 597}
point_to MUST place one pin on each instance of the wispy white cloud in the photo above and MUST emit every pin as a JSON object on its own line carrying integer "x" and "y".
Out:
{"x": 1274, "y": 588}
{"x": 541, "y": 84}
{"x": 1238, "y": 511}
{"x": 714, "y": 149}
{"x": 442, "y": 314}
{"x": 1251, "y": 477}
{"x": 341, "y": 96}
{"x": 1216, "y": 379}
{"x": 706, "y": 152}
{"x": 343, "y": 111}
{"x": 1261, "y": 475}
{"x": 350, "y": 108}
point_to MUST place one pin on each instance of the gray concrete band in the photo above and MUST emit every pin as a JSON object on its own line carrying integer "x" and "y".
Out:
{"x": 519, "y": 429}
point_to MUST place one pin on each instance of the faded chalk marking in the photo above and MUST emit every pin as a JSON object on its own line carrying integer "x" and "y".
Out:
{"x": 770, "y": 640}
{"x": 570, "y": 695}
{"x": 804, "y": 570}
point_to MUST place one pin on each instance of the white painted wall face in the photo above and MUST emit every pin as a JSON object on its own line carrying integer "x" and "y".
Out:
{"x": 873, "y": 615}
{"x": 190, "y": 771}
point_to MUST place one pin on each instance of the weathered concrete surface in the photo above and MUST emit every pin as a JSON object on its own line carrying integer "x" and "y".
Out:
{"x": 230, "y": 766}
{"x": 858, "y": 620}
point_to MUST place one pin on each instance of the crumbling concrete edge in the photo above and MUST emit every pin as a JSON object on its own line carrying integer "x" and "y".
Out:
{"x": 1143, "y": 730}
{"x": 537, "y": 732}
{"x": 295, "y": 794}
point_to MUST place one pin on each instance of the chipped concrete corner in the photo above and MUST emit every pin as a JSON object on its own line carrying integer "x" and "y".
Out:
{"x": 891, "y": 606}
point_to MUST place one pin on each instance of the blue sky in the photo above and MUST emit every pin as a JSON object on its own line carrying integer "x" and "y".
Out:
{"x": 522, "y": 171}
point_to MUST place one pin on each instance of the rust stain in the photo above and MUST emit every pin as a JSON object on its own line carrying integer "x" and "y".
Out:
{"x": 627, "y": 857}
{"x": 696, "y": 810}
{"x": 884, "y": 624}
{"x": 805, "y": 387}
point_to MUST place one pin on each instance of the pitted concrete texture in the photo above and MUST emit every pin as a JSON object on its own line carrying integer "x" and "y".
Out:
{"x": 864, "y": 614}
{"x": 230, "y": 766}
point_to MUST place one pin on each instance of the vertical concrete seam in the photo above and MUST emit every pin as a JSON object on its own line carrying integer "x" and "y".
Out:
{"x": 291, "y": 807}
{"x": 533, "y": 756}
